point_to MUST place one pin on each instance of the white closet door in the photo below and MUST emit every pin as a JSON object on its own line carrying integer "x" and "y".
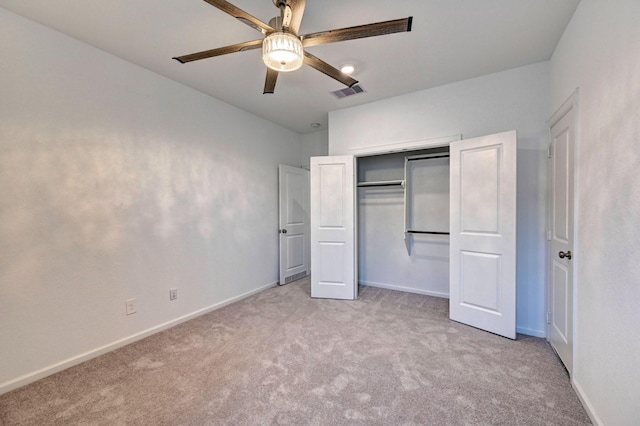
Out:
{"x": 483, "y": 233}
{"x": 333, "y": 255}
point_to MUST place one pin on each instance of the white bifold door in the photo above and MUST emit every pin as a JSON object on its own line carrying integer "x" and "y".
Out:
{"x": 333, "y": 247}
{"x": 482, "y": 269}
{"x": 482, "y": 226}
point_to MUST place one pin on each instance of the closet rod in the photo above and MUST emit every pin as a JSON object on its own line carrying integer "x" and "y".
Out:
{"x": 382, "y": 183}
{"x": 428, "y": 232}
{"x": 427, "y": 157}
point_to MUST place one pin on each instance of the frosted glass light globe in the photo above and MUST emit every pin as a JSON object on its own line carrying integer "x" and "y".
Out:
{"x": 282, "y": 52}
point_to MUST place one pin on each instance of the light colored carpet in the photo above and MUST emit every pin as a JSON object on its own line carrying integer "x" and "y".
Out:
{"x": 280, "y": 357}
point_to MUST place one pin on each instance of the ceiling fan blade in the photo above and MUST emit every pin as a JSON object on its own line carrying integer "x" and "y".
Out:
{"x": 240, "y": 47}
{"x": 270, "y": 81}
{"x": 241, "y": 15}
{"x": 297, "y": 10}
{"x": 327, "y": 69}
{"x": 360, "y": 31}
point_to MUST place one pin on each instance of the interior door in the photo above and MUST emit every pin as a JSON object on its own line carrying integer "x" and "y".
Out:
{"x": 483, "y": 233}
{"x": 561, "y": 234}
{"x": 294, "y": 223}
{"x": 333, "y": 236}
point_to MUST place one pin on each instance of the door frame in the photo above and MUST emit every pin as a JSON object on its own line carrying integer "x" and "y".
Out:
{"x": 404, "y": 146}
{"x": 570, "y": 104}
{"x": 391, "y": 148}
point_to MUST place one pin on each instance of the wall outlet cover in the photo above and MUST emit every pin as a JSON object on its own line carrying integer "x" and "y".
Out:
{"x": 131, "y": 306}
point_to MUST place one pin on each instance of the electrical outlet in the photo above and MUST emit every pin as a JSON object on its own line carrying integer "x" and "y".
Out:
{"x": 131, "y": 306}
{"x": 173, "y": 294}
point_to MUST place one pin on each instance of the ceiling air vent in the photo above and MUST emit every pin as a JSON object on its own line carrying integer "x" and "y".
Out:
{"x": 349, "y": 91}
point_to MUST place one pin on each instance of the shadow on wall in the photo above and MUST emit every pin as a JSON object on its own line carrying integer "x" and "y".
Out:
{"x": 78, "y": 197}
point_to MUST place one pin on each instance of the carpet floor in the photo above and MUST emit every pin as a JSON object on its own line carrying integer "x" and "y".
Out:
{"x": 281, "y": 357}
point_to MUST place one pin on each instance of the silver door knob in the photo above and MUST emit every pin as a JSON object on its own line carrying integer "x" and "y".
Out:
{"x": 562, "y": 254}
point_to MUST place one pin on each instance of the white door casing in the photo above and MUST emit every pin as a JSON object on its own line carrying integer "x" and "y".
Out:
{"x": 483, "y": 233}
{"x": 560, "y": 297}
{"x": 333, "y": 230}
{"x": 294, "y": 229}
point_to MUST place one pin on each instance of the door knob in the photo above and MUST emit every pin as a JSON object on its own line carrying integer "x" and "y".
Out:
{"x": 284, "y": 231}
{"x": 562, "y": 254}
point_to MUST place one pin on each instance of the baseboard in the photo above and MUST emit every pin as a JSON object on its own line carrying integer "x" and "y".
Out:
{"x": 531, "y": 332}
{"x": 79, "y": 359}
{"x": 588, "y": 407}
{"x": 405, "y": 289}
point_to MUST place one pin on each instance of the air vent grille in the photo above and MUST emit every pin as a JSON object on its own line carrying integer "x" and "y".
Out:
{"x": 349, "y": 91}
{"x": 295, "y": 277}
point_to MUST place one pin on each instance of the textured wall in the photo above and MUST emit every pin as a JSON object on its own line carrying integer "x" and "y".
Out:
{"x": 314, "y": 145}
{"x": 514, "y": 99}
{"x": 600, "y": 54}
{"x": 118, "y": 183}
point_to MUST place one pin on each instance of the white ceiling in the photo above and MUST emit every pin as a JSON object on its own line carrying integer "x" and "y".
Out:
{"x": 451, "y": 40}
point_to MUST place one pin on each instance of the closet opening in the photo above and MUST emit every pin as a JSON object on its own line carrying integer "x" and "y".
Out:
{"x": 403, "y": 221}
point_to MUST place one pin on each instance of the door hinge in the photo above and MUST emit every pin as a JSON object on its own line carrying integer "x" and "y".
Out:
{"x": 548, "y": 234}
{"x": 549, "y": 151}
{"x": 548, "y": 317}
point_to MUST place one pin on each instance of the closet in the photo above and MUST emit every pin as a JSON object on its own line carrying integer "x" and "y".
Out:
{"x": 403, "y": 221}
{"x": 423, "y": 222}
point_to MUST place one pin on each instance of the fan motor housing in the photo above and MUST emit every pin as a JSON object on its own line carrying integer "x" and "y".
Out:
{"x": 276, "y": 22}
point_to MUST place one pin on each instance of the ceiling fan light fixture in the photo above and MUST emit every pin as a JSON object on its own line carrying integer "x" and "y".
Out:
{"x": 282, "y": 52}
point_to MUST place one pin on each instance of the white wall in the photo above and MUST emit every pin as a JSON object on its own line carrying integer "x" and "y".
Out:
{"x": 314, "y": 145}
{"x": 514, "y": 99}
{"x": 117, "y": 183}
{"x": 600, "y": 53}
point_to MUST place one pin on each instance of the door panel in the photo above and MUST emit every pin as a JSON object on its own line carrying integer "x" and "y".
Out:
{"x": 560, "y": 296}
{"x": 476, "y": 165}
{"x": 295, "y": 251}
{"x": 332, "y": 270}
{"x": 333, "y": 258}
{"x": 294, "y": 223}
{"x": 561, "y": 221}
{"x": 480, "y": 274}
{"x": 483, "y": 233}
{"x": 332, "y": 198}
{"x": 560, "y": 155}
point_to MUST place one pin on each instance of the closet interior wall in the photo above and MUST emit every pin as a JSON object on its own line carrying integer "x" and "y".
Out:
{"x": 389, "y": 258}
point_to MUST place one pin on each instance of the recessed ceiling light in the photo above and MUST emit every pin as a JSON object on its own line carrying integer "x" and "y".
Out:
{"x": 347, "y": 69}
{"x": 315, "y": 125}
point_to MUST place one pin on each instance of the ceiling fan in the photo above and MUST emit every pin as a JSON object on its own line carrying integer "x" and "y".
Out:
{"x": 284, "y": 50}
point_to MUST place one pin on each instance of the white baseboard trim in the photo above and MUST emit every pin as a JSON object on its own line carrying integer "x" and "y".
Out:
{"x": 405, "y": 289}
{"x": 588, "y": 407}
{"x": 531, "y": 332}
{"x": 70, "y": 362}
